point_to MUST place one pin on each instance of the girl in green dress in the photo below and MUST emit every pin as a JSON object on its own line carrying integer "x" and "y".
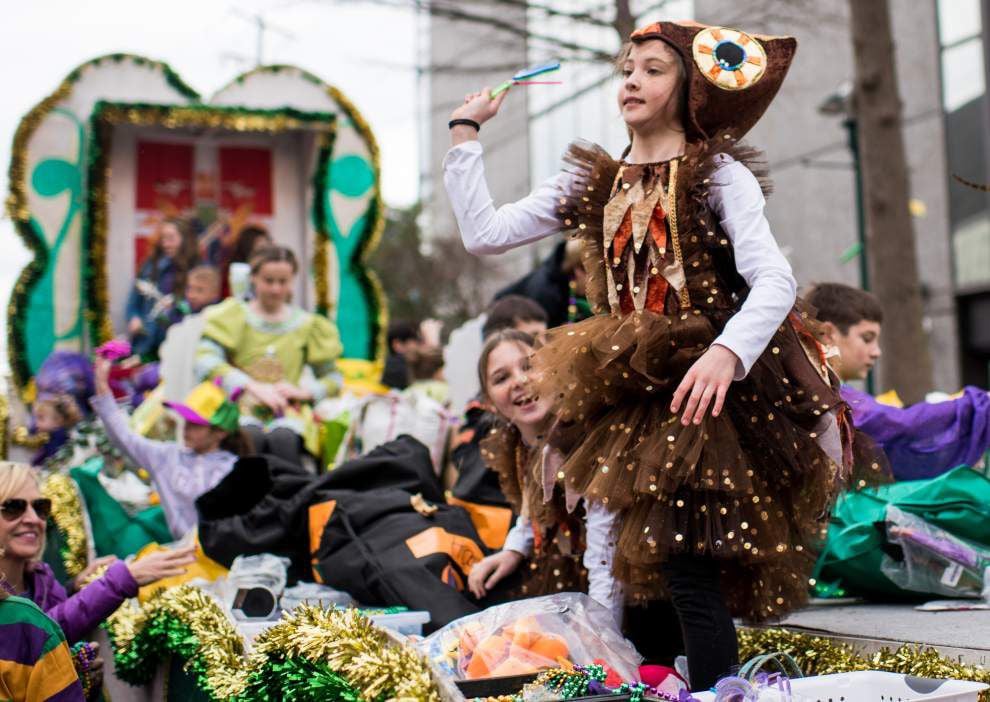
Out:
{"x": 260, "y": 348}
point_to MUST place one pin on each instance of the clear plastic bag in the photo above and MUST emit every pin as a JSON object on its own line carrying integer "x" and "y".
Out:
{"x": 264, "y": 570}
{"x": 530, "y": 635}
{"x": 935, "y": 561}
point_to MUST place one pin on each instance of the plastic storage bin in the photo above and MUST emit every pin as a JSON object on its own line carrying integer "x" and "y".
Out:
{"x": 874, "y": 686}
{"x": 405, "y": 623}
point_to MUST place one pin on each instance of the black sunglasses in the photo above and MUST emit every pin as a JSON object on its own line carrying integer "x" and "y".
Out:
{"x": 15, "y": 508}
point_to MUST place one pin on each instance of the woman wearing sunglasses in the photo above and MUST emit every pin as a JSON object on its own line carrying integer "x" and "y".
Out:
{"x": 23, "y": 515}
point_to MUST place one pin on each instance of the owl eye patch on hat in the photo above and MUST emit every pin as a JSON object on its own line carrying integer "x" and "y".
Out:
{"x": 732, "y": 76}
{"x": 728, "y": 58}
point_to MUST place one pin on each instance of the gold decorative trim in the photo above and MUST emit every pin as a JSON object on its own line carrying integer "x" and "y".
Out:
{"x": 67, "y": 513}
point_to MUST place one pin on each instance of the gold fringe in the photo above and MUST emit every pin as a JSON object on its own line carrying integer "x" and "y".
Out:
{"x": 4, "y": 426}
{"x": 820, "y": 656}
{"x": 67, "y": 513}
{"x": 170, "y": 117}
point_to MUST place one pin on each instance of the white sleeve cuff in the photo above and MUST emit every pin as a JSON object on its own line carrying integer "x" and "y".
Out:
{"x": 520, "y": 537}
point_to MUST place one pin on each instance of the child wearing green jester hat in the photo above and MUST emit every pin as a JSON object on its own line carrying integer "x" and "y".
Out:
{"x": 212, "y": 441}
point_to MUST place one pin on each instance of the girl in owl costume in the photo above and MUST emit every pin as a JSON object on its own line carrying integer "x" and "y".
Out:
{"x": 696, "y": 404}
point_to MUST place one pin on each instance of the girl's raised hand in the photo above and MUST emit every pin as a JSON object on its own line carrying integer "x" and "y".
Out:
{"x": 479, "y": 106}
{"x": 709, "y": 378}
{"x": 101, "y": 375}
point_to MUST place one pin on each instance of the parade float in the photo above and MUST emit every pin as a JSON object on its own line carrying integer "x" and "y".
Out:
{"x": 124, "y": 142}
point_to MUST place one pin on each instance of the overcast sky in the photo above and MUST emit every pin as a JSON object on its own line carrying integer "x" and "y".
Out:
{"x": 366, "y": 50}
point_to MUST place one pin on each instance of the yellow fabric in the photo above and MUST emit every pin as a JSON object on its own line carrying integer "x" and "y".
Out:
{"x": 304, "y": 338}
{"x": 205, "y": 399}
{"x": 361, "y": 376}
{"x": 50, "y": 674}
{"x": 891, "y": 399}
{"x": 203, "y": 567}
{"x": 147, "y": 415}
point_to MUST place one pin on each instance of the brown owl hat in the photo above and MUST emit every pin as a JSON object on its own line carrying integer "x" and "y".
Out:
{"x": 732, "y": 76}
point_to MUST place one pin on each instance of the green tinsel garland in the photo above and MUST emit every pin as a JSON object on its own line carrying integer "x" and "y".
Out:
{"x": 298, "y": 679}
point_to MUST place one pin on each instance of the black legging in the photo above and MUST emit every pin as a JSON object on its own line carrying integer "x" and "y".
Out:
{"x": 706, "y": 625}
{"x": 281, "y": 442}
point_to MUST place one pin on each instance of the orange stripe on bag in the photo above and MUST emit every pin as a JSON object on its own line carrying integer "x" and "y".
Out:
{"x": 319, "y": 515}
{"x": 462, "y": 550}
{"x": 492, "y": 522}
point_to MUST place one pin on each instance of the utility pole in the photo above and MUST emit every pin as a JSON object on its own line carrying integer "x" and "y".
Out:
{"x": 262, "y": 27}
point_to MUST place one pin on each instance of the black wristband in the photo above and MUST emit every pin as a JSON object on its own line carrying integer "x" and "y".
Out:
{"x": 466, "y": 122}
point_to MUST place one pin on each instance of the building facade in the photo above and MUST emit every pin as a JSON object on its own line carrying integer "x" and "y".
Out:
{"x": 941, "y": 68}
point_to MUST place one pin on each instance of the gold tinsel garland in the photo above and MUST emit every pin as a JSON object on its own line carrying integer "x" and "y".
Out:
{"x": 220, "y": 649}
{"x": 322, "y": 245}
{"x": 349, "y": 644}
{"x": 67, "y": 513}
{"x": 817, "y": 655}
{"x": 4, "y": 427}
{"x": 344, "y": 640}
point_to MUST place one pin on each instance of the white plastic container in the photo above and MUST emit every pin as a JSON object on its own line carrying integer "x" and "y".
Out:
{"x": 874, "y": 686}
{"x": 405, "y": 623}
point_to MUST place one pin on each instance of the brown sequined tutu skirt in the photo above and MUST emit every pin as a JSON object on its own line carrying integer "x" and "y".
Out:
{"x": 751, "y": 488}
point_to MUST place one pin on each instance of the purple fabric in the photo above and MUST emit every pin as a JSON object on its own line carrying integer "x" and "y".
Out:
{"x": 56, "y": 440}
{"x": 925, "y": 440}
{"x": 960, "y": 553}
{"x": 84, "y": 611}
{"x": 73, "y": 693}
{"x": 66, "y": 373}
{"x": 22, "y": 642}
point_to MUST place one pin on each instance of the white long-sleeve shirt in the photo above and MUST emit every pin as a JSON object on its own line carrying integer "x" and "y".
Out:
{"x": 734, "y": 196}
{"x": 600, "y": 527}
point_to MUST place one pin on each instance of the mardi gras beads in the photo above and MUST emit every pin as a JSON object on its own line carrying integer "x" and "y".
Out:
{"x": 83, "y": 656}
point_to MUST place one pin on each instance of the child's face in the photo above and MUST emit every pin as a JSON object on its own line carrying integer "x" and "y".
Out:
{"x": 201, "y": 291}
{"x": 47, "y": 419}
{"x": 171, "y": 240}
{"x": 508, "y": 388}
{"x": 259, "y": 243}
{"x": 859, "y": 349}
{"x": 201, "y": 439}
{"x": 651, "y": 81}
{"x": 273, "y": 284}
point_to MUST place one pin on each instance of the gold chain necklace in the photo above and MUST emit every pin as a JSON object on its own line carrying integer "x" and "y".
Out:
{"x": 675, "y": 241}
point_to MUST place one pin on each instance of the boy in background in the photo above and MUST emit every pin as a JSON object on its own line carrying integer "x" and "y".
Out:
{"x": 921, "y": 441}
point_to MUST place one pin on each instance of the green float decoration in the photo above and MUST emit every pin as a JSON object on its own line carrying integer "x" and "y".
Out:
{"x": 59, "y": 195}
